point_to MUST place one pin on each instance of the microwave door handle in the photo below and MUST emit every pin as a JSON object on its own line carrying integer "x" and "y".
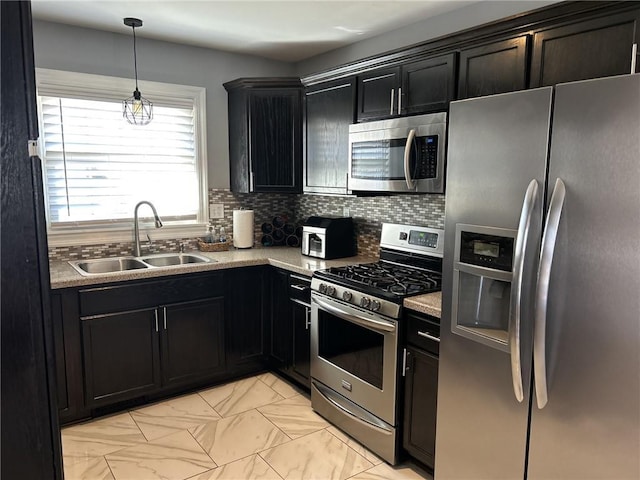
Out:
{"x": 549, "y": 238}
{"x": 407, "y": 154}
{"x": 515, "y": 307}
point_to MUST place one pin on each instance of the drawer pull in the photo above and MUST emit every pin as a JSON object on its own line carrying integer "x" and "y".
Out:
{"x": 302, "y": 288}
{"x": 429, "y": 336}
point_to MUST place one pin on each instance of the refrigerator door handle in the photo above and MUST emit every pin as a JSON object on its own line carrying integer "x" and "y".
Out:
{"x": 407, "y": 154}
{"x": 528, "y": 207}
{"x": 549, "y": 237}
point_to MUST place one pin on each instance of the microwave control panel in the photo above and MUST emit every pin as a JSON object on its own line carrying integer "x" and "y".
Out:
{"x": 427, "y": 165}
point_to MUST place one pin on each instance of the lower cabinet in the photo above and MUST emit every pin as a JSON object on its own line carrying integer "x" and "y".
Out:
{"x": 247, "y": 304}
{"x": 121, "y": 356}
{"x": 130, "y": 354}
{"x": 192, "y": 340}
{"x": 421, "y": 386}
{"x": 291, "y": 326}
{"x": 421, "y": 392}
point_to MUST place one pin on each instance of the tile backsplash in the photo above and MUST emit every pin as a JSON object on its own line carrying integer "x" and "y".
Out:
{"x": 368, "y": 212}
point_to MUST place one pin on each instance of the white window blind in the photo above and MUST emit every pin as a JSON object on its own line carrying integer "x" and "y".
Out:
{"x": 97, "y": 166}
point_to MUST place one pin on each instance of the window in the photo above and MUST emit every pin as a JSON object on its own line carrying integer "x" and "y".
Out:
{"x": 97, "y": 166}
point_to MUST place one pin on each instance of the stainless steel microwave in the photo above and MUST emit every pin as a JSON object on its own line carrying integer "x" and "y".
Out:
{"x": 398, "y": 155}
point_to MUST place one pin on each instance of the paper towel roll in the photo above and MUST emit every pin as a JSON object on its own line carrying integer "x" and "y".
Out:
{"x": 243, "y": 228}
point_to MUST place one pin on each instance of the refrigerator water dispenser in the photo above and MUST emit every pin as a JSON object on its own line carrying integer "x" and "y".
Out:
{"x": 482, "y": 272}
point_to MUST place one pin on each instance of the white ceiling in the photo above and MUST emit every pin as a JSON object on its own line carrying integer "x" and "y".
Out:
{"x": 281, "y": 30}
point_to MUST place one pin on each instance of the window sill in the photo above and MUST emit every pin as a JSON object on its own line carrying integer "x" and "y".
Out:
{"x": 80, "y": 237}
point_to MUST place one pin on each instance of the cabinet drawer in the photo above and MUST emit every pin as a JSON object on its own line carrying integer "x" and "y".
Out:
{"x": 146, "y": 294}
{"x": 422, "y": 331}
{"x": 300, "y": 288}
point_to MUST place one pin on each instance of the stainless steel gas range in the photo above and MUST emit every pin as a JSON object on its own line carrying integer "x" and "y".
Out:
{"x": 355, "y": 315}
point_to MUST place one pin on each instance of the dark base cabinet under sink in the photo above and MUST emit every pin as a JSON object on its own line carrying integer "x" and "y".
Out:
{"x": 126, "y": 343}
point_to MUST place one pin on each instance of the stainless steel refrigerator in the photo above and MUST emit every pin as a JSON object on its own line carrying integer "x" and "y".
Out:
{"x": 539, "y": 372}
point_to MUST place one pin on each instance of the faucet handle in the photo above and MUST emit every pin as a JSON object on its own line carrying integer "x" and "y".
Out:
{"x": 182, "y": 247}
{"x": 150, "y": 243}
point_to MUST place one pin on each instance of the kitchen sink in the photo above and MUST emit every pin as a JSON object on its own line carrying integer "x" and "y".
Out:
{"x": 107, "y": 265}
{"x": 102, "y": 266}
{"x": 168, "y": 260}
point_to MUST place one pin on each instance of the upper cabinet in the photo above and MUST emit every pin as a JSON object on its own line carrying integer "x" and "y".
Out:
{"x": 329, "y": 110}
{"x": 265, "y": 135}
{"x": 422, "y": 86}
{"x": 491, "y": 68}
{"x": 593, "y": 48}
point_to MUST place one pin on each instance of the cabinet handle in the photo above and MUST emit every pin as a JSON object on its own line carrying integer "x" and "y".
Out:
{"x": 164, "y": 314}
{"x": 308, "y": 318}
{"x": 301, "y": 288}
{"x": 252, "y": 181}
{"x": 404, "y": 362}
{"x": 391, "y": 109}
{"x": 634, "y": 55}
{"x": 399, "y": 100}
{"x": 156, "y": 313}
{"x": 430, "y": 337}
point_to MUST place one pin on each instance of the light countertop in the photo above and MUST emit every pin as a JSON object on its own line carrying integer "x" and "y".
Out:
{"x": 430, "y": 303}
{"x": 64, "y": 275}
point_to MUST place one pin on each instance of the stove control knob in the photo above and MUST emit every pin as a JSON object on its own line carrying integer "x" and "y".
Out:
{"x": 347, "y": 295}
{"x": 375, "y": 305}
{"x": 365, "y": 302}
{"x": 331, "y": 291}
{"x": 322, "y": 288}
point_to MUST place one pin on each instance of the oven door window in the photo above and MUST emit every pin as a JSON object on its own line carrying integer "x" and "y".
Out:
{"x": 351, "y": 347}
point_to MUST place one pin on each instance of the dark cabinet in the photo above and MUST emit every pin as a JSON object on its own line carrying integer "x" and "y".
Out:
{"x": 121, "y": 356}
{"x": 280, "y": 334}
{"x": 497, "y": 67}
{"x": 192, "y": 341}
{"x": 422, "y": 86}
{"x": 301, "y": 360}
{"x": 290, "y": 326}
{"x": 593, "y": 48}
{"x": 421, "y": 386}
{"x": 329, "y": 110}
{"x": 141, "y": 337}
{"x": 377, "y": 94}
{"x": 428, "y": 85}
{"x": 421, "y": 392}
{"x": 247, "y": 303}
{"x": 265, "y": 135}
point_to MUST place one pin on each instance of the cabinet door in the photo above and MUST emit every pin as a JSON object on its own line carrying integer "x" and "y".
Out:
{"x": 300, "y": 367}
{"x": 57, "y": 319}
{"x": 121, "y": 356}
{"x": 246, "y": 308}
{"x": 329, "y": 110}
{"x": 377, "y": 94}
{"x": 497, "y": 67}
{"x": 281, "y": 341}
{"x": 421, "y": 391}
{"x": 589, "y": 49}
{"x": 192, "y": 340}
{"x": 275, "y": 140}
{"x": 428, "y": 85}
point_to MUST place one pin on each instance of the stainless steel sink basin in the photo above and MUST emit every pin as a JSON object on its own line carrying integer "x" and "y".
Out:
{"x": 107, "y": 265}
{"x": 171, "y": 259}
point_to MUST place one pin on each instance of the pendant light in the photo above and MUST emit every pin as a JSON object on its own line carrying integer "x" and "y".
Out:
{"x": 136, "y": 109}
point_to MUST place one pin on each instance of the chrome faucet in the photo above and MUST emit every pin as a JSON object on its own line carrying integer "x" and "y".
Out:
{"x": 136, "y": 227}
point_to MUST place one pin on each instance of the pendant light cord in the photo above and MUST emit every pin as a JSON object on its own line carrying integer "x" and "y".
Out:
{"x": 135, "y": 58}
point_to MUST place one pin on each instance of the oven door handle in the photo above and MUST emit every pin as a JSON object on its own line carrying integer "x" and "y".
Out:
{"x": 379, "y": 325}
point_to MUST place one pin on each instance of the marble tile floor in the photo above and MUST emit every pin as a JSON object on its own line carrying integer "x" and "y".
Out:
{"x": 256, "y": 428}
